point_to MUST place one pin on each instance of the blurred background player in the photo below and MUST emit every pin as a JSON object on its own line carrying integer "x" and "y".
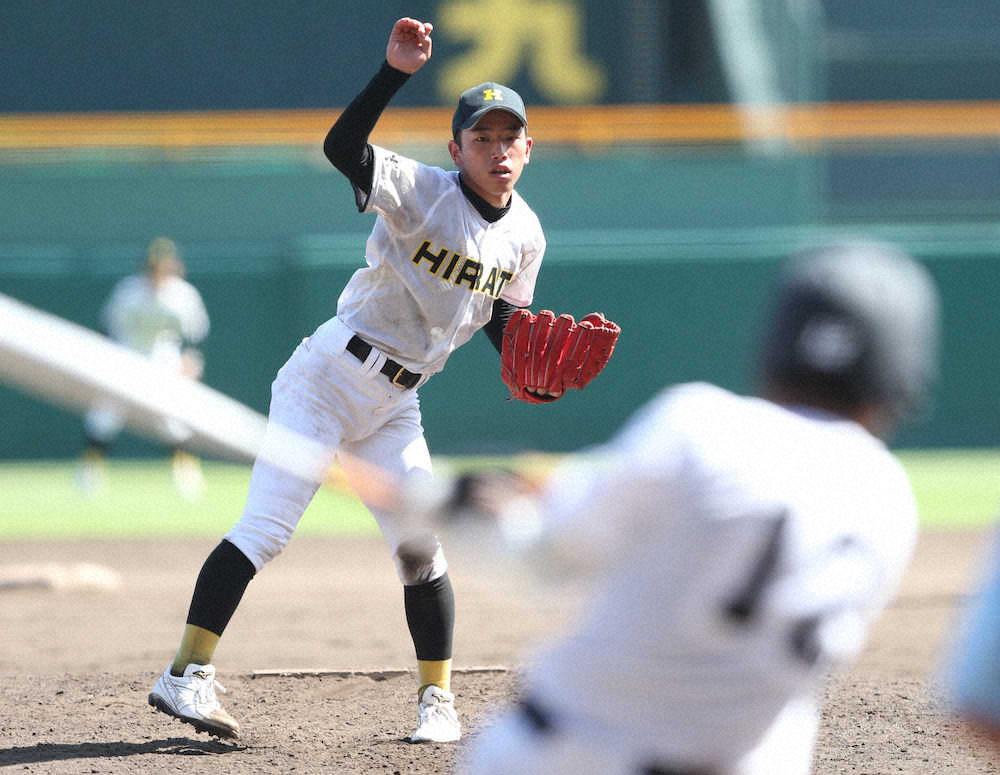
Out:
{"x": 974, "y": 668}
{"x": 158, "y": 313}
{"x": 740, "y": 546}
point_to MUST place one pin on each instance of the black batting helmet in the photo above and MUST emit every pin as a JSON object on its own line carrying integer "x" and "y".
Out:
{"x": 857, "y": 322}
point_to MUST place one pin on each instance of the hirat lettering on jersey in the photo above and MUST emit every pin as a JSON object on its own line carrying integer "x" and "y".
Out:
{"x": 461, "y": 269}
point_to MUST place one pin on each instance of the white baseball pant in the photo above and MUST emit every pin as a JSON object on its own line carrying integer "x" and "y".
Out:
{"x": 327, "y": 394}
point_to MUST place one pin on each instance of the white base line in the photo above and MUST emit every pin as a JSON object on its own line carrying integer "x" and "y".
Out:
{"x": 377, "y": 674}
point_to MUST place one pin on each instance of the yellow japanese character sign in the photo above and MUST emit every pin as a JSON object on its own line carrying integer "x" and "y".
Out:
{"x": 544, "y": 35}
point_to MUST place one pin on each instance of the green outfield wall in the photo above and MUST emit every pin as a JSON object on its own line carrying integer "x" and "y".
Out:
{"x": 251, "y": 54}
{"x": 679, "y": 242}
{"x": 123, "y": 55}
{"x": 688, "y": 301}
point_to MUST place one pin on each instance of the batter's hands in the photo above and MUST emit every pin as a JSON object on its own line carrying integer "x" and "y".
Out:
{"x": 192, "y": 364}
{"x": 409, "y": 45}
{"x": 493, "y": 508}
{"x": 482, "y": 495}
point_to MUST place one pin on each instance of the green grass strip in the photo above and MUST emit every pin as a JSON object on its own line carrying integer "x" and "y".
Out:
{"x": 44, "y": 500}
{"x": 954, "y": 489}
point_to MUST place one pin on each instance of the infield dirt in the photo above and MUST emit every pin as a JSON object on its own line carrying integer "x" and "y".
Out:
{"x": 76, "y": 664}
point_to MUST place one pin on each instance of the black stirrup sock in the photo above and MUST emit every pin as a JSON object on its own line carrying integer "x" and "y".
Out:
{"x": 220, "y": 587}
{"x": 430, "y": 615}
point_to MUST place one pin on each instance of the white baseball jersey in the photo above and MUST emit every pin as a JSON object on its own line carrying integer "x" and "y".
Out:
{"x": 155, "y": 321}
{"x": 435, "y": 266}
{"x": 745, "y": 547}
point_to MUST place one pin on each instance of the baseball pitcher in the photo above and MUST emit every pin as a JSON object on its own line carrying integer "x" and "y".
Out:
{"x": 451, "y": 252}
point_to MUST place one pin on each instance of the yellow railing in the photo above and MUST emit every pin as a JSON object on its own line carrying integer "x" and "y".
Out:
{"x": 594, "y": 125}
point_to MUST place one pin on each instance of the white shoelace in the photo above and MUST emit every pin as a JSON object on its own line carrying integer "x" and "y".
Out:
{"x": 439, "y": 708}
{"x": 206, "y": 688}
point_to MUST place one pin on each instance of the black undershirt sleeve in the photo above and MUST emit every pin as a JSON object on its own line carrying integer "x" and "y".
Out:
{"x": 502, "y": 311}
{"x": 346, "y": 144}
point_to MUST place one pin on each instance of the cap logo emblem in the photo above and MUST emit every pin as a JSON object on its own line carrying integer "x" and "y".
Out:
{"x": 492, "y": 95}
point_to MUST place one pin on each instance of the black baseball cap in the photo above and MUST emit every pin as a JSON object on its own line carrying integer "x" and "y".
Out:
{"x": 480, "y": 100}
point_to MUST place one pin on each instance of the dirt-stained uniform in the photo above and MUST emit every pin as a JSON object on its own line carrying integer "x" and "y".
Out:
{"x": 441, "y": 263}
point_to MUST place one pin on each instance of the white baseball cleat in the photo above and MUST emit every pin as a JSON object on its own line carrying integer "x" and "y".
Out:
{"x": 191, "y": 698}
{"x": 438, "y": 721}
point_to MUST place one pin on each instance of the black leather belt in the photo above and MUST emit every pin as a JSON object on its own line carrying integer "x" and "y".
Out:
{"x": 397, "y": 374}
{"x": 541, "y": 722}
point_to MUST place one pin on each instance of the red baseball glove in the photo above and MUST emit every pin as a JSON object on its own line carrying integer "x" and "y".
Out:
{"x": 543, "y": 356}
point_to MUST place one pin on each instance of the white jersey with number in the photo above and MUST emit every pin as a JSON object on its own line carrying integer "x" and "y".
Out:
{"x": 745, "y": 548}
{"x": 155, "y": 321}
{"x": 434, "y": 265}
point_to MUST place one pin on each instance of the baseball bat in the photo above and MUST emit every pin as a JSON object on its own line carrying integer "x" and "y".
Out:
{"x": 74, "y": 367}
